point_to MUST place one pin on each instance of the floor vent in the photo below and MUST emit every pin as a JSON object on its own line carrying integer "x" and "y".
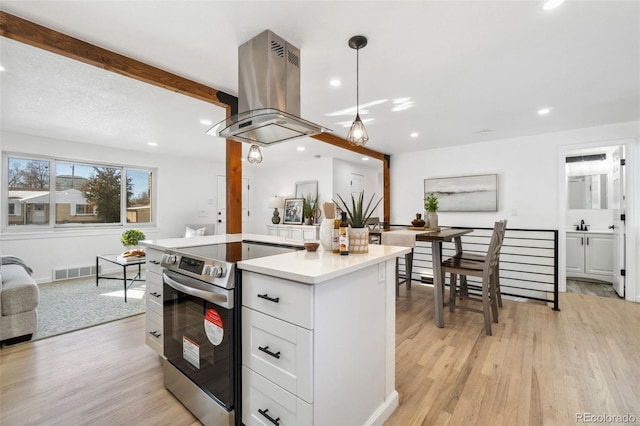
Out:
{"x": 76, "y": 272}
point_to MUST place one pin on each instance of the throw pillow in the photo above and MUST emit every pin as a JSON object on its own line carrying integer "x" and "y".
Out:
{"x": 194, "y": 232}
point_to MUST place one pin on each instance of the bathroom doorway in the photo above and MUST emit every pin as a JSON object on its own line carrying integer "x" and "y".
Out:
{"x": 594, "y": 208}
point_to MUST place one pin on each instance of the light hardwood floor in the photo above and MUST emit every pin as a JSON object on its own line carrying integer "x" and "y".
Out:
{"x": 539, "y": 367}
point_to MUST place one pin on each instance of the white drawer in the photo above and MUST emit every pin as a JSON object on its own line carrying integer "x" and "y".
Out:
{"x": 154, "y": 332}
{"x": 279, "y": 351}
{"x": 261, "y": 398}
{"x": 154, "y": 257}
{"x": 289, "y": 301}
{"x": 154, "y": 292}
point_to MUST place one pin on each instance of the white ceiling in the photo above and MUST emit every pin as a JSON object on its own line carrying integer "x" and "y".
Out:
{"x": 464, "y": 66}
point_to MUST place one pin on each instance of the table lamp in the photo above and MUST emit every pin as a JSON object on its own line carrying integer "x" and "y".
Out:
{"x": 275, "y": 203}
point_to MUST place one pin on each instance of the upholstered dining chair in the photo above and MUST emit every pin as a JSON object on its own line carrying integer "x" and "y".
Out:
{"x": 486, "y": 270}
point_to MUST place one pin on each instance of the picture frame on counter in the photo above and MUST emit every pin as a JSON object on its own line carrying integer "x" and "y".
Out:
{"x": 477, "y": 193}
{"x": 293, "y": 211}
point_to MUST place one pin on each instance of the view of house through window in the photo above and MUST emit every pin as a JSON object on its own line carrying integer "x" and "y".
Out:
{"x": 85, "y": 194}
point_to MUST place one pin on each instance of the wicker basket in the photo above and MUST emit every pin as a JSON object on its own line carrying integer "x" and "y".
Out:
{"x": 358, "y": 240}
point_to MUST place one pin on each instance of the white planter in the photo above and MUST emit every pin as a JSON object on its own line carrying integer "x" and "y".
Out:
{"x": 358, "y": 240}
{"x": 326, "y": 234}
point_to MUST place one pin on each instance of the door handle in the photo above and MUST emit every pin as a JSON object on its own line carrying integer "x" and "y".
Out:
{"x": 612, "y": 227}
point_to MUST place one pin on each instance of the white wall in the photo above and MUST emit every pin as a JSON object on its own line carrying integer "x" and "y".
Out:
{"x": 269, "y": 180}
{"x": 342, "y": 177}
{"x": 529, "y": 182}
{"x": 184, "y": 188}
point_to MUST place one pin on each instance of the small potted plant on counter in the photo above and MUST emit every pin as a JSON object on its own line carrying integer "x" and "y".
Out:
{"x": 431, "y": 206}
{"x": 357, "y": 216}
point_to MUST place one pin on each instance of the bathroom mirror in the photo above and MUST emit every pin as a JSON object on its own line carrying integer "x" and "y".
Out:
{"x": 587, "y": 192}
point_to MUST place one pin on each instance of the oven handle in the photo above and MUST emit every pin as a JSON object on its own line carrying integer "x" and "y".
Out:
{"x": 220, "y": 299}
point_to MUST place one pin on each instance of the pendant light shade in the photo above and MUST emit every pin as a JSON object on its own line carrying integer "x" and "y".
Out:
{"x": 357, "y": 135}
{"x": 254, "y": 156}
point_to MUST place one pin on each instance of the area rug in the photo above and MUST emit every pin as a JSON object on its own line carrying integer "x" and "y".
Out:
{"x": 75, "y": 304}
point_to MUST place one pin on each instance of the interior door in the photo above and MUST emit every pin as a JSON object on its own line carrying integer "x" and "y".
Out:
{"x": 619, "y": 232}
{"x": 222, "y": 204}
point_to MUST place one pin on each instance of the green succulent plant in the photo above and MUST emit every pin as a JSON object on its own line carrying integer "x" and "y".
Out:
{"x": 131, "y": 237}
{"x": 357, "y": 214}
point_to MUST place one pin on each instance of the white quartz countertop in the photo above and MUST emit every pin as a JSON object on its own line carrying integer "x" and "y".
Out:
{"x": 175, "y": 243}
{"x": 316, "y": 267}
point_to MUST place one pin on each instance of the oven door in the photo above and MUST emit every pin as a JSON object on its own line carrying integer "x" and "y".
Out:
{"x": 199, "y": 334}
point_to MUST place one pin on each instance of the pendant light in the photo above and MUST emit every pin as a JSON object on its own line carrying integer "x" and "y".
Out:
{"x": 357, "y": 135}
{"x": 254, "y": 156}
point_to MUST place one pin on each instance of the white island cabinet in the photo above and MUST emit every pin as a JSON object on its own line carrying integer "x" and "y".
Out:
{"x": 318, "y": 338}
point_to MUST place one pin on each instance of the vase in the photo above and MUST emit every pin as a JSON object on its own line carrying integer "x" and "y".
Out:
{"x": 326, "y": 233}
{"x": 432, "y": 217}
{"x": 359, "y": 240}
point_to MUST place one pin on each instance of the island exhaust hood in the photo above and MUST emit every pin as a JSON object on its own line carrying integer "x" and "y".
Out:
{"x": 268, "y": 94}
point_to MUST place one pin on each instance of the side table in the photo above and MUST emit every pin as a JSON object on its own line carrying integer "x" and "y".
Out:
{"x": 113, "y": 258}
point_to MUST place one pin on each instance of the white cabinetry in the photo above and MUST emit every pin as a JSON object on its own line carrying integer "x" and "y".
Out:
{"x": 294, "y": 232}
{"x": 590, "y": 255}
{"x": 317, "y": 354}
{"x": 154, "y": 327}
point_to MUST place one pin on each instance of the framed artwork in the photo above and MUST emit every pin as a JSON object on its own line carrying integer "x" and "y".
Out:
{"x": 477, "y": 193}
{"x": 293, "y": 211}
{"x": 307, "y": 188}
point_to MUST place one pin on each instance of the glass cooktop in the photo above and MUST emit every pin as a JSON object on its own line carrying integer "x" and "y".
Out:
{"x": 237, "y": 251}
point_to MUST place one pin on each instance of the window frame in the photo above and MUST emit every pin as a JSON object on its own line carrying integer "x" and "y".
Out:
{"x": 52, "y": 225}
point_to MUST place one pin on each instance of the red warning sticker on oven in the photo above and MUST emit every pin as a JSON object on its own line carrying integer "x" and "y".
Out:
{"x": 213, "y": 326}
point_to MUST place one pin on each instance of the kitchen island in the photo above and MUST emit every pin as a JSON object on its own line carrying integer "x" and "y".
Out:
{"x": 318, "y": 333}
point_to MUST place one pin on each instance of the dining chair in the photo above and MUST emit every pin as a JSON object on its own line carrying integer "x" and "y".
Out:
{"x": 375, "y": 228}
{"x": 486, "y": 270}
{"x": 480, "y": 257}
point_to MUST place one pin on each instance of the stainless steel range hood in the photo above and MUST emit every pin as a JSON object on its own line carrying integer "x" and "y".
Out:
{"x": 268, "y": 94}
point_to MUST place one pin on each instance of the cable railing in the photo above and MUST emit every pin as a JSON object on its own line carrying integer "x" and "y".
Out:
{"x": 528, "y": 262}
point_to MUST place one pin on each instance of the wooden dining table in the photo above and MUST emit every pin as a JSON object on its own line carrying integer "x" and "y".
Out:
{"x": 437, "y": 238}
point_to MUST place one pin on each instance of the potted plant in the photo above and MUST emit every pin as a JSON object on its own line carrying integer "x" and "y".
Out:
{"x": 310, "y": 207}
{"x": 357, "y": 216}
{"x": 431, "y": 206}
{"x": 131, "y": 237}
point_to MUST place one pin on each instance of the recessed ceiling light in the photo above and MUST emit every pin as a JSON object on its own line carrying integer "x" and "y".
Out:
{"x": 544, "y": 111}
{"x": 1, "y": 68}
{"x": 484, "y": 132}
{"x": 152, "y": 143}
{"x": 335, "y": 82}
{"x": 301, "y": 148}
{"x": 414, "y": 135}
{"x": 552, "y": 4}
{"x": 206, "y": 122}
{"x": 365, "y": 158}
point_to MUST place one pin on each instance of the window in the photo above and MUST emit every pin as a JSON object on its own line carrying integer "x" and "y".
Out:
{"x": 85, "y": 193}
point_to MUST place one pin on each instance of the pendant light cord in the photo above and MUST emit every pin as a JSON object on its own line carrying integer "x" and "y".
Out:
{"x": 358, "y": 82}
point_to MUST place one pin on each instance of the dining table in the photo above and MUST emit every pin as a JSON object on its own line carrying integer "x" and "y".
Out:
{"x": 437, "y": 238}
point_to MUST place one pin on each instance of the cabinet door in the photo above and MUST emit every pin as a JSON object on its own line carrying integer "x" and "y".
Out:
{"x": 599, "y": 255}
{"x": 295, "y": 233}
{"x": 575, "y": 253}
{"x": 272, "y": 230}
{"x": 309, "y": 233}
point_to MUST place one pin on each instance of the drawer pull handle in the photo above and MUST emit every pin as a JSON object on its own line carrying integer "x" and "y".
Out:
{"x": 267, "y": 351}
{"x": 154, "y": 294}
{"x": 271, "y": 299}
{"x": 271, "y": 419}
{"x": 155, "y": 334}
{"x": 155, "y": 262}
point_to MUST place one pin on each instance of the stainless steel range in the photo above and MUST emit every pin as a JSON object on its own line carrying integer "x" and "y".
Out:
{"x": 202, "y": 326}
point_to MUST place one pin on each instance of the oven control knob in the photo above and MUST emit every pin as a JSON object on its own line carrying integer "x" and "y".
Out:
{"x": 216, "y": 271}
{"x": 206, "y": 270}
{"x": 171, "y": 259}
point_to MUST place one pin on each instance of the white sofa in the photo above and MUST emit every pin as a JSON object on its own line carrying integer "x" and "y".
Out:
{"x": 19, "y": 298}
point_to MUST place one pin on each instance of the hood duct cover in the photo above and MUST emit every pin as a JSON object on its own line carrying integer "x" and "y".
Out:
{"x": 268, "y": 94}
